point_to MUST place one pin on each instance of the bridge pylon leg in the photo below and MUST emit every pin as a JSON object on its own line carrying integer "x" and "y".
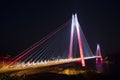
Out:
{"x": 79, "y": 40}
{"x": 98, "y": 53}
{"x": 75, "y": 24}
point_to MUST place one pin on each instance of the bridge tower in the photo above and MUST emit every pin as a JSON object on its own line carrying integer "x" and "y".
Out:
{"x": 75, "y": 24}
{"x": 98, "y": 55}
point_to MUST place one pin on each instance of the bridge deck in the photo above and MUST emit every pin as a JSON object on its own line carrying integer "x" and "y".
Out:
{"x": 41, "y": 64}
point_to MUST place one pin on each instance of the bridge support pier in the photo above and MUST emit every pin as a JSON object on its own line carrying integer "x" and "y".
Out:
{"x": 99, "y": 60}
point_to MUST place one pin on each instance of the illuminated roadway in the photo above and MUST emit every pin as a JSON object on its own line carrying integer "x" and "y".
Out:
{"x": 28, "y": 65}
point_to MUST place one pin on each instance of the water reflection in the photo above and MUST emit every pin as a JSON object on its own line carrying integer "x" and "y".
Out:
{"x": 100, "y": 67}
{"x": 103, "y": 67}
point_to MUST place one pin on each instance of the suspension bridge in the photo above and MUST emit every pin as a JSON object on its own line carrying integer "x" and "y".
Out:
{"x": 66, "y": 44}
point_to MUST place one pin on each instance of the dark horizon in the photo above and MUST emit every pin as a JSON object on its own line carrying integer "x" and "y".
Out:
{"x": 25, "y": 22}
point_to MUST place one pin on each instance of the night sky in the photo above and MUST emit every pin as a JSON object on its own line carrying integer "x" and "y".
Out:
{"x": 22, "y": 23}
